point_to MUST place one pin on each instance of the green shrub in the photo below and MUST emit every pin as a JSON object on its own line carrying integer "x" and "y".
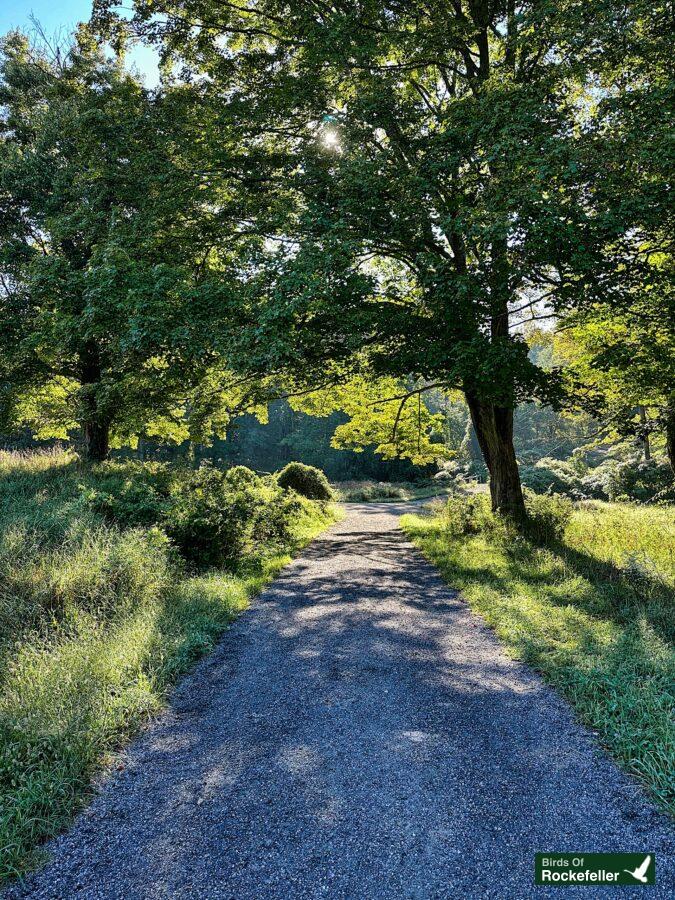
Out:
{"x": 364, "y": 491}
{"x": 128, "y": 503}
{"x": 239, "y": 476}
{"x": 638, "y": 480}
{"x": 307, "y": 481}
{"x": 554, "y": 476}
{"x": 467, "y": 515}
{"x": 219, "y": 519}
{"x": 132, "y": 493}
{"x": 209, "y": 520}
{"x": 542, "y": 479}
{"x": 547, "y": 517}
{"x": 632, "y": 479}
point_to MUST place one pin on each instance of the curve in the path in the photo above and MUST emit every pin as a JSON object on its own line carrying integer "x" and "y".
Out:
{"x": 358, "y": 733}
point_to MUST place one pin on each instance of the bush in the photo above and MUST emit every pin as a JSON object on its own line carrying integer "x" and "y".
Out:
{"x": 638, "y": 480}
{"x": 547, "y": 518}
{"x": 632, "y": 479}
{"x": 132, "y": 493}
{"x": 467, "y": 515}
{"x": 241, "y": 476}
{"x": 307, "y": 481}
{"x": 210, "y": 520}
{"x": 364, "y": 491}
{"x": 555, "y": 476}
{"x": 127, "y": 504}
{"x": 549, "y": 476}
{"x": 220, "y": 519}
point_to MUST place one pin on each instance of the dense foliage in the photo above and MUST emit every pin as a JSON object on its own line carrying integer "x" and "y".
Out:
{"x": 107, "y": 227}
{"x": 615, "y": 479}
{"x": 307, "y": 481}
{"x": 218, "y": 518}
{"x": 352, "y": 206}
{"x": 435, "y": 170}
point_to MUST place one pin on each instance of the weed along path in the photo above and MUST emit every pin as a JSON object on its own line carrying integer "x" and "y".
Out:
{"x": 357, "y": 734}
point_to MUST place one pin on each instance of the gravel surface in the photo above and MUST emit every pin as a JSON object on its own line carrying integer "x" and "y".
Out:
{"x": 357, "y": 734}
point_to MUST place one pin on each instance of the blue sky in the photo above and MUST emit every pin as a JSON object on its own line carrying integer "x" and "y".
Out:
{"x": 59, "y": 15}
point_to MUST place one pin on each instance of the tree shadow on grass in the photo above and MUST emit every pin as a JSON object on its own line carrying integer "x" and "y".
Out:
{"x": 622, "y": 595}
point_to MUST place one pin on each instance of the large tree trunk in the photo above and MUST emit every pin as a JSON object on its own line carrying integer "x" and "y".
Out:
{"x": 494, "y": 430}
{"x": 494, "y": 424}
{"x": 670, "y": 435}
{"x": 95, "y": 421}
{"x": 96, "y": 440}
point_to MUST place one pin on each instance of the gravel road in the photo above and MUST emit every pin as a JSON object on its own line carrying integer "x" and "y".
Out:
{"x": 357, "y": 734}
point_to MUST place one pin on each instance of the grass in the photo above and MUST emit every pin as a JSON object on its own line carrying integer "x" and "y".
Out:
{"x": 384, "y": 491}
{"x": 593, "y": 612}
{"x": 97, "y": 621}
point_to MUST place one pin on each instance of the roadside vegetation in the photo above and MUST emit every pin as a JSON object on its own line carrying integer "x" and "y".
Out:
{"x": 588, "y": 599}
{"x": 114, "y": 579}
{"x": 364, "y": 491}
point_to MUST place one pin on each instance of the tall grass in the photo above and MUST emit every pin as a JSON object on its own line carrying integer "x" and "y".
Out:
{"x": 96, "y": 622}
{"x": 594, "y": 612}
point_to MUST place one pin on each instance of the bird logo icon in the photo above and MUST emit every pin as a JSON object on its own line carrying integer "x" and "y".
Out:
{"x": 640, "y": 874}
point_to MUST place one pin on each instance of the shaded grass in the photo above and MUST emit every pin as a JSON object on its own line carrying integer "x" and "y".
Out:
{"x": 96, "y": 623}
{"x": 594, "y": 613}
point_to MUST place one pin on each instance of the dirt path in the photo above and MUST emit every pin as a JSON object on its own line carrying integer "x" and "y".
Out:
{"x": 357, "y": 734}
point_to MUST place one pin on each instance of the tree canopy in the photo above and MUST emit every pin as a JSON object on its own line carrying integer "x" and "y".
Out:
{"x": 349, "y": 204}
{"x": 442, "y": 168}
{"x": 113, "y": 264}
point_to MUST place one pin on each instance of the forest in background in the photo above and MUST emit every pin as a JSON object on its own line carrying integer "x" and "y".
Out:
{"x": 575, "y": 454}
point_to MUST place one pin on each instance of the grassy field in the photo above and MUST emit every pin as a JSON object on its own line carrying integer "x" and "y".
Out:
{"x": 97, "y": 620}
{"x": 594, "y": 612}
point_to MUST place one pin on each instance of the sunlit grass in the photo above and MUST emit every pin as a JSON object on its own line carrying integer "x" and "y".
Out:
{"x": 595, "y": 614}
{"x": 614, "y": 532}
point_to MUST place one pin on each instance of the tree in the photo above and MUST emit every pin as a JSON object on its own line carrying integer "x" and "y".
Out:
{"x": 110, "y": 233}
{"x": 437, "y": 161}
{"x": 622, "y": 362}
{"x": 622, "y": 347}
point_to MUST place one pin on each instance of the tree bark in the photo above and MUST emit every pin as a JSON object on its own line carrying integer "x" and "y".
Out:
{"x": 670, "y": 435}
{"x": 95, "y": 421}
{"x": 644, "y": 435}
{"x": 96, "y": 440}
{"x": 494, "y": 424}
{"x": 494, "y": 430}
